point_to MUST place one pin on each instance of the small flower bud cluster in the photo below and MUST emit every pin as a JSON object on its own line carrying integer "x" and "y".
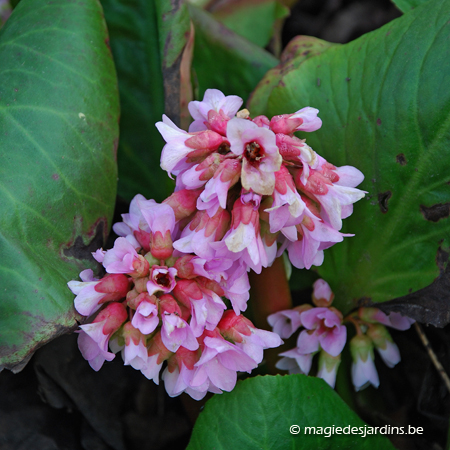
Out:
{"x": 156, "y": 305}
{"x": 324, "y": 331}
{"x": 370, "y": 324}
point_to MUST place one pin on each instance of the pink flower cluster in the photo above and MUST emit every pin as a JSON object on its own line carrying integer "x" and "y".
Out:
{"x": 324, "y": 331}
{"x": 246, "y": 191}
{"x": 156, "y": 304}
{"x": 261, "y": 189}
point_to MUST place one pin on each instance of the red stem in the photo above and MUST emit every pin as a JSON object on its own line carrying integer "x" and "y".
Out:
{"x": 269, "y": 293}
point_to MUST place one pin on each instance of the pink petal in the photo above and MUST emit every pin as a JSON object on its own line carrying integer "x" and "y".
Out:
{"x": 334, "y": 340}
{"x": 307, "y": 342}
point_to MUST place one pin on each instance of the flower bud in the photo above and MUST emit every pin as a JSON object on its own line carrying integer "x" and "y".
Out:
{"x": 328, "y": 366}
{"x": 115, "y": 286}
{"x": 161, "y": 246}
{"x": 322, "y": 294}
{"x": 363, "y": 367}
{"x": 183, "y": 202}
{"x": 114, "y": 316}
{"x": 384, "y": 344}
{"x": 285, "y": 124}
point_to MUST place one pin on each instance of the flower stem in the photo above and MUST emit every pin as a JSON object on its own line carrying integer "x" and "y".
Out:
{"x": 269, "y": 293}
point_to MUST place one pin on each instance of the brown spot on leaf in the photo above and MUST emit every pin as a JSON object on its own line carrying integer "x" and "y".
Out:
{"x": 378, "y": 121}
{"x": 55, "y": 176}
{"x": 81, "y": 250}
{"x": 435, "y": 212}
{"x": 383, "y": 198}
{"x": 401, "y": 159}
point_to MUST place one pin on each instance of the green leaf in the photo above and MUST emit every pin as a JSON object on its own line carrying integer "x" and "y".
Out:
{"x": 147, "y": 40}
{"x": 58, "y": 138}
{"x": 296, "y": 52}
{"x": 406, "y": 5}
{"x": 386, "y": 110}
{"x": 252, "y": 19}
{"x": 259, "y": 412}
{"x": 225, "y": 61}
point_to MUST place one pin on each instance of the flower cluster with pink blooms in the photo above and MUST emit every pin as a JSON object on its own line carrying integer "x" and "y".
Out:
{"x": 156, "y": 304}
{"x": 324, "y": 331}
{"x": 247, "y": 189}
{"x": 260, "y": 189}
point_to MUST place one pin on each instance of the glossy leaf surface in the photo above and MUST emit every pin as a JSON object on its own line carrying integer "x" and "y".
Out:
{"x": 259, "y": 412}
{"x": 385, "y": 110}
{"x": 58, "y": 141}
{"x": 147, "y": 41}
{"x": 225, "y": 61}
{"x": 251, "y": 19}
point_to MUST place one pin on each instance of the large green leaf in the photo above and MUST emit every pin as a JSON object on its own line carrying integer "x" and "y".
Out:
{"x": 385, "y": 106}
{"x": 259, "y": 412}
{"x": 407, "y": 5}
{"x": 58, "y": 140}
{"x": 147, "y": 39}
{"x": 252, "y": 19}
{"x": 296, "y": 52}
{"x": 223, "y": 60}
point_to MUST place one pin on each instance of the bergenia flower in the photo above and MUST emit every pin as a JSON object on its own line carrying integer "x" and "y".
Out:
{"x": 393, "y": 320}
{"x": 219, "y": 362}
{"x": 303, "y": 197}
{"x": 303, "y": 120}
{"x": 135, "y": 351}
{"x": 327, "y": 331}
{"x": 175, "y": 331}
{"x": 285, "y": 323}
{"x": 161, "y": 279}
{"x": 328, "y": 366}
{"x": 216, "y": 189}
{"x": 246, "y": 336}
{"x": 323, "y": 332}
{"x": 214, "y": 104}
{"x": 384, "y": 344}
{"x": 91, "y": 293}
{"x": 363, "y": 366}
{"x": 322, "y": 294}
{"x": 246, "y": 190}
{"x": 260, "y": 155}
{"x": 123, "y": 258}
{"x": 93, "y": 338}
{"x": 146, "y": 318}
{"x": 295, "y": 361}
